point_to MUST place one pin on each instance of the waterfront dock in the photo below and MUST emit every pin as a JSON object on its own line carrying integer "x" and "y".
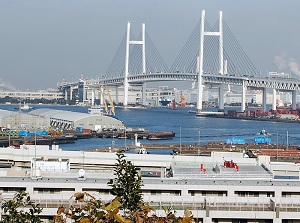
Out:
{"x": 280, "y": 152}
{"x": 49, "y": 140}
{"x": 131, "y": 134}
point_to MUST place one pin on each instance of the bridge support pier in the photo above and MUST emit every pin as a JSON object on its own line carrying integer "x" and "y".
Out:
{"x": 294, "y": 100}
{"x": 71, "y": 93}
{"x": 274, "y": 100}
{"x": 117, "y": 94}
{"x": 144, "y": 101}
{"x": 66, "y": 94}
{"x": 264, "y": 100}
{"x": 221, "y": 97}
{"x": 243, "y": 104}
{"x": 101, "y": 96}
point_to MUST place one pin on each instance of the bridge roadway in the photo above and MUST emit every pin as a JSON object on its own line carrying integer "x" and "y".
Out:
{"x": 288, "y": 84}
{"x": 218, "y": 80}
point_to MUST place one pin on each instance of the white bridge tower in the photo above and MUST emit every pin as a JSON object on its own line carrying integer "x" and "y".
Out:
{"x": 203, "y": 33}
{"x": 128, "y": 43}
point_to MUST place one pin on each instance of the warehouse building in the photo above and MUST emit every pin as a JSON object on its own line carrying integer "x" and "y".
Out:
{"x": 21, "y": 121}
{"x": 72, "y": 120}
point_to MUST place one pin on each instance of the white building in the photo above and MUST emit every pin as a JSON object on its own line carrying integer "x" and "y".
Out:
{"x": 251, "y": 190}
{"x": 46, "y": 94}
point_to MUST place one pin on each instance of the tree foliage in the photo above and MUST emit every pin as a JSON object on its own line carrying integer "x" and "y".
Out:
{"x": 127, "y": 184}
{"x": 88, "y": 209}
{"x": 21, "y": 209}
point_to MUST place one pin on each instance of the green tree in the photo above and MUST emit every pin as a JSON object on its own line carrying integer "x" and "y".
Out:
{"x": 14, "y": 209}
{"x": 127, "y": 184}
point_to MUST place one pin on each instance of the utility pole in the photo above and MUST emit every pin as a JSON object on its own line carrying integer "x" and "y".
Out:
{"x": 199, "y": 147}
{"x": 180, "y": 140}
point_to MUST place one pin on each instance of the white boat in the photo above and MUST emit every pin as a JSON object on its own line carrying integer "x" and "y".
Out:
{"x": 263, "y": 132}
{"x": 25, "y": 107}
{"x": 95, "y": 110}
{"x": 143, "y": 151}
{"x": 99, "y": 110}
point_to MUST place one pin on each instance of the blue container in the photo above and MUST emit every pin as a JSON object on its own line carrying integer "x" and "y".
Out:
{"x": 236, "y": 140}
{"x": 79, "y": 129}
{"x": 262, "y": 140}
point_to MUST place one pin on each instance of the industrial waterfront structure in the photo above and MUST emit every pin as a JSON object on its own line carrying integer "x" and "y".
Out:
{"x": 43, "y": 119}
{"x": 71, "y": 120}
{"x": 225, "y": 187}
{"x": 18, "y": 120}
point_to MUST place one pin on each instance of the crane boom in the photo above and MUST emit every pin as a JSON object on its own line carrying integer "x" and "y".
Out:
{"x": 104, "y": 101}
{"x": 112, "y": 107}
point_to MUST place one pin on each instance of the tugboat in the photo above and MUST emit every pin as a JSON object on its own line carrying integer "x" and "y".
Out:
{"x": 262, "y": 138}
{"x": 263, "y": 132}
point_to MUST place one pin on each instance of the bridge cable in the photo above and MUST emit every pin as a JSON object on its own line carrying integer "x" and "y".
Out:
{"x": 116, "y": 67}
{"x": 247, "y": 62}
{"x": 154, "y": 57}
{"x": 187, "y": 57}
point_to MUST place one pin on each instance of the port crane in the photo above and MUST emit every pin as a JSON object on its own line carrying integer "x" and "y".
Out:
{"x": 112, "y": 106}
{"x": 108, "y": 111}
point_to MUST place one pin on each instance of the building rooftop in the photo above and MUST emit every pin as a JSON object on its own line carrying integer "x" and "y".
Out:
{"x": 59, "y": 114}
{"x": 5, "y": 113}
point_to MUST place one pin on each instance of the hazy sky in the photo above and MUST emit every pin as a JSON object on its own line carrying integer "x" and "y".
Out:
{"x": 43, "y": 42}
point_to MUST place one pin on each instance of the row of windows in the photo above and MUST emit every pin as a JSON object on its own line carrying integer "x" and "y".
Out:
{"x": 53, "y": 190}
{"x": 157, "y": 192}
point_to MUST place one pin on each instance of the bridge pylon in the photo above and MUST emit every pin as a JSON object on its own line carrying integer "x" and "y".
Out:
{"x": 222, "y": 69}
{"x": 128, "y": 43}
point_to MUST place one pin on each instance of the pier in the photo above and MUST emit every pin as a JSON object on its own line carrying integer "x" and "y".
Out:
{"x": 141, "y": 134}
{"x": 277, "y": 153}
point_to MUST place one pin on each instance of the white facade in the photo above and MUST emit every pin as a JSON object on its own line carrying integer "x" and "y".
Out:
{"x": 49, "y": 95}
{"x": 257, "y": 191}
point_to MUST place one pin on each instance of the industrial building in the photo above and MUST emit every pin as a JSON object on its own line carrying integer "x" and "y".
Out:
{"x": 42, "y": 119}
{"x": 18, "y": 120}
{"x": 71, "y": 120}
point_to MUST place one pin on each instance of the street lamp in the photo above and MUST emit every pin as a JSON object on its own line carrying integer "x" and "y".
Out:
{"x": 180, "y": 140}
{"x": 287, "y": 140}
{"x": 125, "y": 137}
{"x": 35, "y": 154}
{"x": 113, "y": 138}
{"x": 277, "y": 145}
{"x": 199, "y": 147}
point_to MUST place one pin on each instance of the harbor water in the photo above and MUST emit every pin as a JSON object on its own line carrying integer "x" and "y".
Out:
{"x": 189, "y": 128}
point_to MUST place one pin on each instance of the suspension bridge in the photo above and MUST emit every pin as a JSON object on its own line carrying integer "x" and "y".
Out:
{"x": 211, "y": 56}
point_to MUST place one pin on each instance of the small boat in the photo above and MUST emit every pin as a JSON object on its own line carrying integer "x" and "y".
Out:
{"x": 143, "y": 151}
{"x": 24, "y": 107}
{"x": 165, "y": 101}
{"x": 263, "y": 132}
{"x": 95, "y": 110}
{"x": 99, "y": 110}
